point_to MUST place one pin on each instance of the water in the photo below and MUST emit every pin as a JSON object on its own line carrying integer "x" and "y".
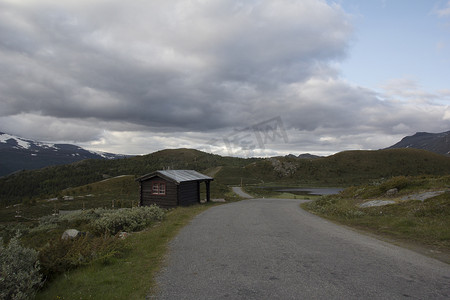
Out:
{"x": 306, "y": 191}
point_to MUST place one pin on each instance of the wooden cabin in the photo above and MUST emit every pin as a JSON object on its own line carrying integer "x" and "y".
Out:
{"x": 170, "y": 188}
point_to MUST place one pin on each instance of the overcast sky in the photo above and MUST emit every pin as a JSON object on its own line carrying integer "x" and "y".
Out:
{"x": 230, "y": 77}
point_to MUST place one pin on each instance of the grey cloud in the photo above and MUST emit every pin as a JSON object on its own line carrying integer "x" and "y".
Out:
{"x": 52, "y": 129}
{"x": 186, "y": 66}
{"x": 83, "y": 63}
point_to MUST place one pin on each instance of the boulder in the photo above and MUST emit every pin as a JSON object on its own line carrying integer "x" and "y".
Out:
{"x": 376, "y": 203}
{"x": 123, "y": 235}
{"x": 392, "y": 192}
{"x": 423, "y": 196}
{"x": 70, "y": 234}
{"x": 218, "y": 200}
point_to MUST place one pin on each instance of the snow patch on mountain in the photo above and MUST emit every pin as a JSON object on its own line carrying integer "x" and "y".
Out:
{"x": 106, "y": 155}
{"x": 18, "y": 153}
{"x": 23, "y": 143}
{"x": 4, "y": 138}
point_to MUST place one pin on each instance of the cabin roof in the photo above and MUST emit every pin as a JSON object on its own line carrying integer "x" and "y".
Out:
{"x": 177, "y": 175}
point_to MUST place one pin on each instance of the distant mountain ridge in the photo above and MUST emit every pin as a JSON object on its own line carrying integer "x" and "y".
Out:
{"x": 17, "y": 154}
{"x": 434, "y": 142}
{"x": 304, "y": 156}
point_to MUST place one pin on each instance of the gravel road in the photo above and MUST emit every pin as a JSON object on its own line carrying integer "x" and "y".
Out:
{"x": 240, "y": 192}
{"x": 272, "y": 249}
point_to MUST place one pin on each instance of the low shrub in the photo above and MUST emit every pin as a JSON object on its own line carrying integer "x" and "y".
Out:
{"x": 379, "y": 188}
{"x": 49, "y": 219}
{"x": 63, "y": 255}
{"x": 19, "y": 271}
{"x": 398, "y": 182}
{"x": 43, "y": 227}
{"x": 60, "y": 255}
{"x": 127, "y": 219}
{"x": 8, "y": 231}
{"x": 84, "y": 216}
{"x": 109, "y": 221}
{"x": 76, "y": 217}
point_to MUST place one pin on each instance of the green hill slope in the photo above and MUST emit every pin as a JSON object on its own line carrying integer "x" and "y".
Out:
{"x": 345, "y": 168}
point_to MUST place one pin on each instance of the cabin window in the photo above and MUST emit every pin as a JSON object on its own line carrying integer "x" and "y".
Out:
{"x": 162, "y": 188}
{"x": 159, "y": 188}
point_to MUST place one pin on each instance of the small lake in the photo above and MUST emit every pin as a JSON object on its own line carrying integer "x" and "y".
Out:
{"x": 306, "y": 191}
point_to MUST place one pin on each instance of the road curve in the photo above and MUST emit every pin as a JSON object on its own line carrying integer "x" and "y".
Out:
{"x": 240, "y": 192}
{"x": 272, "y": 249}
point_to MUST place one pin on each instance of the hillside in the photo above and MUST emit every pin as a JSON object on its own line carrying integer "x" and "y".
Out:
{"x": 345, "y": 168}
{"x": 17, "y": 153}
{"x": 49, "y": 181}
{"x": 434, "y": 142}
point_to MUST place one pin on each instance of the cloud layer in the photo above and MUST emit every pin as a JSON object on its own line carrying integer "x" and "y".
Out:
{"x": 176, "y": 73}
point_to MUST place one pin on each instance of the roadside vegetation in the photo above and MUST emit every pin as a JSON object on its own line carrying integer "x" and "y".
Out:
{"x": 129, "y": 275}
{"x": 97, "y": 199}
{"x": 115, "y": 255}
{"x": 47, "y": 254}
{"x": 425, "y": 223}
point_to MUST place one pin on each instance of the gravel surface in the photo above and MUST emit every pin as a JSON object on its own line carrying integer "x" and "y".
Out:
{"x": 240, "y": 192}
{"x": 272, "y": 249}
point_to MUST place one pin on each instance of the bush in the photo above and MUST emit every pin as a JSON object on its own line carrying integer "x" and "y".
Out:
{"x": 8, "y": 231}
{"x": 63, "y": 255}
{"x": 19, "y": 273}
{"x": 398, "y": 182}
{"x": 85, "y": 216}
{"x": 49, "y": 219}
{"x": 43, "y": 227}
{"x": 81, "y": 216}
{"x": 127, "y": 219}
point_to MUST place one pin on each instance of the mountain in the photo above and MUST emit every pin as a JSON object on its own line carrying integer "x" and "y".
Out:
{"x": 308, "y": 156}
{"x": 17, "y": 153}
{"x": 304, "y": 156}
{"x": 434, "y": 142}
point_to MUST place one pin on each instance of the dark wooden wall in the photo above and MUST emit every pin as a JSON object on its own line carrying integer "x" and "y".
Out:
{"x": 165, "y": 201}
{"x": 189, "y": 193}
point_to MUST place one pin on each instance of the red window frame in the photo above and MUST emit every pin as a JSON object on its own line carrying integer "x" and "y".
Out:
{"x": 158, "y": 188}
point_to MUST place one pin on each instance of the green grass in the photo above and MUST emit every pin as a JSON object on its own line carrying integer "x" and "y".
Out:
{"x": 122, "y": 191}
{"x": 424, "y": 223}
{"x": 129, "y": 277}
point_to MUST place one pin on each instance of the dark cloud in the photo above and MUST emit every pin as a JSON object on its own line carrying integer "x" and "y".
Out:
{"x": 91, "y": 67}
{"x": 161, "y": 64}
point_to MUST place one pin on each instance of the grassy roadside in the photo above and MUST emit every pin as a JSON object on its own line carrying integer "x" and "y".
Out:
{"x": 128, "y": 277}
{"x": 421, "y": 224}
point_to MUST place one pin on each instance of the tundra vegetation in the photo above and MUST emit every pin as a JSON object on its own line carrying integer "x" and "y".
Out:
{"x": 410, "y": 219}
{"x": 98, "y": 264}
{"x": 99, "y": 243}
{"x": 96, "y": 197}
{"x": 20, "y": 275}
